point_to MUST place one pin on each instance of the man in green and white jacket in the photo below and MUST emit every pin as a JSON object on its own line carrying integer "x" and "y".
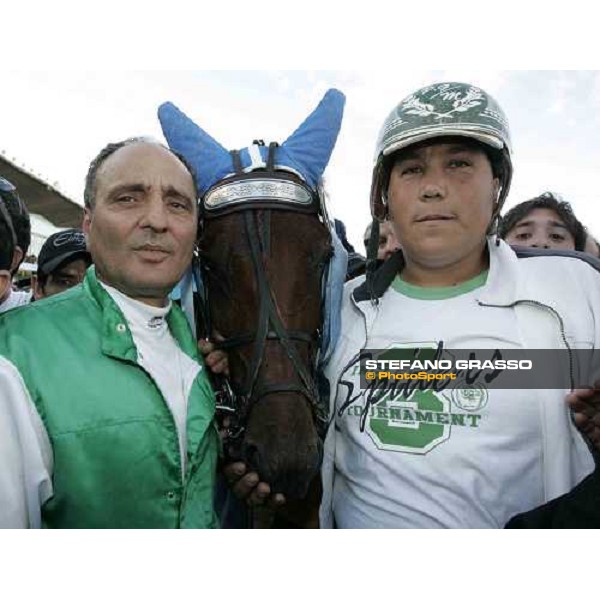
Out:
{"x": 106, "y": 412}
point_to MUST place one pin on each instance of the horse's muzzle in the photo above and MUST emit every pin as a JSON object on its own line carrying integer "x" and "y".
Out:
{"x": 287, "y": 473}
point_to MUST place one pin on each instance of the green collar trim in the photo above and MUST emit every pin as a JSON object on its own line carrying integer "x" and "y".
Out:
{"x": 438, "y": 293}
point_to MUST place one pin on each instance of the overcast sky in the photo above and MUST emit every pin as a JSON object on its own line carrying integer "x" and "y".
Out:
{"x": 54, "y": 123}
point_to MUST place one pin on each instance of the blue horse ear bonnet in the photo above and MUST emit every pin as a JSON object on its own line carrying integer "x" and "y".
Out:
{"x": 305, "y": 153}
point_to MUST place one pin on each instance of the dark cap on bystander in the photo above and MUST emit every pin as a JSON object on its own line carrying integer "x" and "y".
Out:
{"x": 60, "y": 247}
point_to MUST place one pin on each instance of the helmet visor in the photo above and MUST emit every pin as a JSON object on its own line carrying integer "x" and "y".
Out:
{"x": 428, "y": 133}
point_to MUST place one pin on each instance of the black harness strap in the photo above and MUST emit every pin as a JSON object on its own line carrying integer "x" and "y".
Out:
{"x": 263, "y": 316}
{"x": 249, "y": 338}
{"x": 270, "y": 315}
{"x": 271, "y": 157}
{"x": 237, "y": 161}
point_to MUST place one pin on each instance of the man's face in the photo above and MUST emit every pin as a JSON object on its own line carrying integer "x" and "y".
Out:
{"x": 142, "y": 229}
{"x": 66, "y": 276}
{"x": 441, "y": 199}
{"x": 388, "y": 244}
{"x": 541, "y": 228}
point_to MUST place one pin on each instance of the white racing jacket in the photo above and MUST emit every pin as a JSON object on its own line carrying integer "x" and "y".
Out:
{"x": 556, "y": 299}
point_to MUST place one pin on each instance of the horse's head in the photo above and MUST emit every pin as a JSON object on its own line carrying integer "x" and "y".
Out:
{"x": 264, "y": 244}
{"x": 264, "y": 270}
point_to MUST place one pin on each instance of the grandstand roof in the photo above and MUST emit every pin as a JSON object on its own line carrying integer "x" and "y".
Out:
{"x": 40, "y": 196}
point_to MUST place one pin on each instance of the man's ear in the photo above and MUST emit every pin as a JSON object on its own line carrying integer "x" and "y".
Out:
{"x": 87, "y": 221}
{"x": 36, "y": 288}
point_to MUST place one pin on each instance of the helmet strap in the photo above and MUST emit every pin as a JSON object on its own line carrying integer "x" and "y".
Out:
{"x": 385, "y": 211}
{"x": 379, "y": 201}
{"x": 371, "y": 267}
{"x": 494, "y": 223}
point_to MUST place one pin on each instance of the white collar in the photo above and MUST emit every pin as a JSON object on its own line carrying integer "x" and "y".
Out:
{"x": 140, "y": 314}
{"x": 502, "y": 284}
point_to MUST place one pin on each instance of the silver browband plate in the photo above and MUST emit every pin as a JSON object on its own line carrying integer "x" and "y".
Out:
{"x": 257, "y": 190}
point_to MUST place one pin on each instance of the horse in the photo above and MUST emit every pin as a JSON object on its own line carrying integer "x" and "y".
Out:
{"x": 265, "y": 251}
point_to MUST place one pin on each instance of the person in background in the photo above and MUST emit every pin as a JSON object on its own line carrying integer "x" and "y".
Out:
{"x": 591, "y": 245}
{"x": 356, "y": 262}
{"x": 22, "y": 227}
{"x": 8, "y": 241}
{"x": 62, "y": 263}
{"x": 388, "y": 242}
{"x": 543, "y": 222}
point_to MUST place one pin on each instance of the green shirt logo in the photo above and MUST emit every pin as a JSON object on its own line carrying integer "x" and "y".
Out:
{"x": 416, "y": 424}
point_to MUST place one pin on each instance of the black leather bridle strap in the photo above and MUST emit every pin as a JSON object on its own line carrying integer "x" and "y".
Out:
{"x": 248, "y": 338}
{"x": 237, "y": 161}
{"x": 271, "y": 157}
{"x": 263, "y": 312}
{"x": 202, "y": 313}
{"x": 279, "y": 388}
{"x": 268, "y": 314}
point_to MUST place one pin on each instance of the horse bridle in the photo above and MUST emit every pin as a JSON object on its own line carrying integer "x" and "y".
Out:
{"x": 270, "y": 328}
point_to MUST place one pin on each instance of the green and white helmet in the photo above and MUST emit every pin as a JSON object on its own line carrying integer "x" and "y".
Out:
{"x": 442, "y": 109}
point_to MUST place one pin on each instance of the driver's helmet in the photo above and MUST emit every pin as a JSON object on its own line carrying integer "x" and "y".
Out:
{"x": 441, "y": 110}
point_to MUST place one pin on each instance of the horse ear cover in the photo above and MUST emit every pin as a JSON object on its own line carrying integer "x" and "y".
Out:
{"x": 306, "y": 152}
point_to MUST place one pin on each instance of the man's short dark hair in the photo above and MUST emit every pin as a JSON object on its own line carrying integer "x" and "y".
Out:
{"x": 546, "y": 200}
{"x": 89, "y": 194}
{"x": 19, "y": 215}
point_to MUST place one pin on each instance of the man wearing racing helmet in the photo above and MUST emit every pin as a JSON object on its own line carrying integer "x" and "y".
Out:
{"x": 474, "y": 457}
